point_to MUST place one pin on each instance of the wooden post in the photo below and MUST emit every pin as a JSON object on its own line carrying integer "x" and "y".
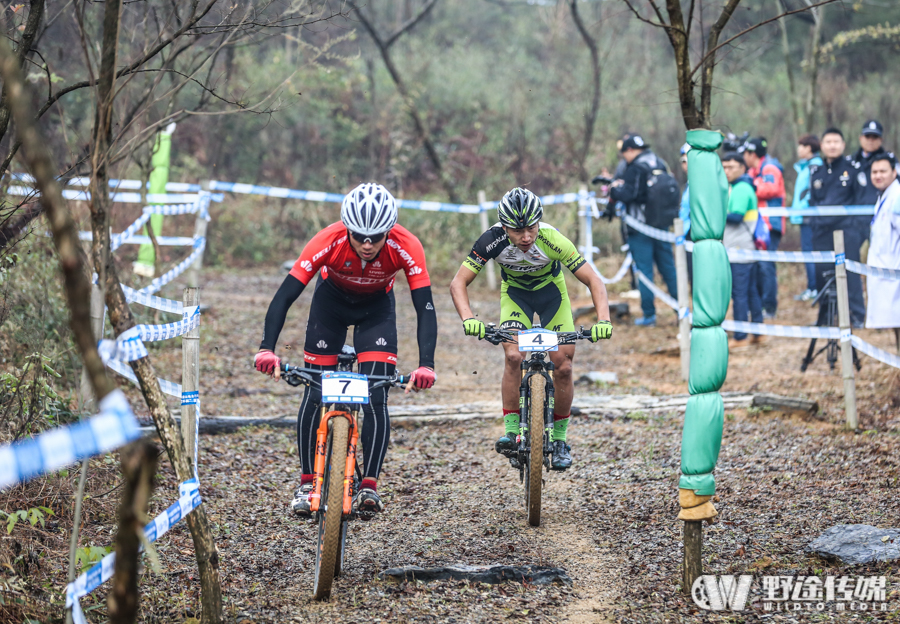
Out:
{"x": 847, "y": 372}
{"x": 485, "y": 224}
{"x": 193, "y": 276}
{"x": 692, "y": 566}
{"x": 684, "y": 322}
{"x": 190, "y": 379}
{"x": 87, "y": 394}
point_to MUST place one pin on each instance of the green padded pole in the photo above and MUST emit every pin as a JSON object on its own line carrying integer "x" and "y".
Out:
{"x": 159, "y": 177}
{"x": 702, "y": 433}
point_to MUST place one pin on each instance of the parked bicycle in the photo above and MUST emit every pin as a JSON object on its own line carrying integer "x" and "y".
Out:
{"x": 337, "y": 473}
{"x": 535, "y": 405}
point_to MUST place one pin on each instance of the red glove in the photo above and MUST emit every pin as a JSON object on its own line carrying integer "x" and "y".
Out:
{"x": 267, "y": 362}
{"x": 421, "y": 378}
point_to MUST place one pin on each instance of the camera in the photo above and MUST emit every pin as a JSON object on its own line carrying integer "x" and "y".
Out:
{"x": 601, "y": 180}
{"x": 734, "y": 143}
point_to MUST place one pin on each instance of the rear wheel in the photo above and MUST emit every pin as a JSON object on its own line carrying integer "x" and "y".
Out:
{"x": 535, "y": 465}
{"x": 331, "y": 508}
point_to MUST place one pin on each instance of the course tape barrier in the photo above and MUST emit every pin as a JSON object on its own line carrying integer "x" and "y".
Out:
{"x": 119, "y": 198}
{"x": 872, "y": 351}
{"x": 653, "y": 232}
{"x": 820, "y": 257}
{"x": 181, "y": 267}
{"x": 114, "y": 426}
{"x": 818, "y": 211}
{"x": 129, "y": 235}
{"x": 189, "y": 499}
{"x": 129, "y": 345}
{"x": 873, "y": 271}
{"x": 128, "y": 185}
{"x": 656, "y": 290}
{"x": 784, "y": 331}
{"x": 151, "y": 301}
{"x": 621, "y": 273}
{"x": 168, "y": 387}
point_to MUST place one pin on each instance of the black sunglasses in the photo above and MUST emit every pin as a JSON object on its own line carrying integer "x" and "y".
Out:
{"x": 368, "y": 238}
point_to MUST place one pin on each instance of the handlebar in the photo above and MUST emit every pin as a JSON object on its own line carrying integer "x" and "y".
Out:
{"x": 296, "y": 375}
{"x": 495, "y": 335}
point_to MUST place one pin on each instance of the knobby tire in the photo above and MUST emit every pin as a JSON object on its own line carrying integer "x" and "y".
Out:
{"x": 327, "y": 551}
{"x": 536, "y": 452}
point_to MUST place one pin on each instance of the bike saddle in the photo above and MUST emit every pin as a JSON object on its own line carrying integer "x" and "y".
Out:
{"x": 347, "y": 356}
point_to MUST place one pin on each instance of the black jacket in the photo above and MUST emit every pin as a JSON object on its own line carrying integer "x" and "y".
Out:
{"x": 833, "y": 184}
{"x": 633, "y": 192}
{"x": 866, "y": 193}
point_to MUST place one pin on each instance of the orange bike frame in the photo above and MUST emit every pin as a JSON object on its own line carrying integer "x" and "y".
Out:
{"x": 321, "y": 450}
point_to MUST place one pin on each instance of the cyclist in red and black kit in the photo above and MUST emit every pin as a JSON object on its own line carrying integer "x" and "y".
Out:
{"x": 358, "y": 257}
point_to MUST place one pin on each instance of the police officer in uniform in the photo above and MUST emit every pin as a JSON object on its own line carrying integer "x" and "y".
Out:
{"x": 870, "y": 140}
{"x": 834, "y": 183}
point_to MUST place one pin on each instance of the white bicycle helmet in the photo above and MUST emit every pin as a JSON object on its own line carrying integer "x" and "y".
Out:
{"x": 369, "y": 209}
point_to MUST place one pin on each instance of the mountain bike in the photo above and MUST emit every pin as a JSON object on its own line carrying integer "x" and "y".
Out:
{"x": 337, "y": 473}
{"x": 535, "y": 405}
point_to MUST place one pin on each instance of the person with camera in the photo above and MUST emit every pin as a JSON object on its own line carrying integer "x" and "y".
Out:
{"x": 834, "y": 183}
{"x": 883, "y": 311}
{"x": 651, "y": 196}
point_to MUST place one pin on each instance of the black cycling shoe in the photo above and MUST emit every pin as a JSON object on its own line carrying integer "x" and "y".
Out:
{"x": 367, "y": 504}
{"x": 561, "y": 456}
{"x": 506, "y": 443}
{"x": 300, "y": 504}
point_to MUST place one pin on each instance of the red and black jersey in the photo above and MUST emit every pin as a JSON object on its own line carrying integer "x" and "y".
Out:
{"x": 330, "y": 251}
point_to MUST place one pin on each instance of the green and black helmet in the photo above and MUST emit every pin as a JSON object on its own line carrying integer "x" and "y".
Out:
{"x": 520, "y": 208}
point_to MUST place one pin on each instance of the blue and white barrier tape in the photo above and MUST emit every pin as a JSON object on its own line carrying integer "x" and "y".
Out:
{"x": 665, "y": 297}
{"x": 652, "y": 232}
{"x": 818, "y": 211}
{"x": 181, "y": 267}
{"x": 872, "y": 271}
{"x": 129, "y": 345}
{"x": 175, "y": 187}
{"x": 150, "y": 301}
{"x": 122, "y": 198}
{"x": 820, "y": 257}
{"x": 101, "y": 572}
{"x": 114, "y": 426}
{"x": 621, "y": 273}
{"x": 784, "y": 331}
{"x": 872, "y": 351}
{"x": 168, "y": 387}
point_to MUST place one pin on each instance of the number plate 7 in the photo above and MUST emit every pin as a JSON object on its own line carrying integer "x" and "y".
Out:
{"x": 538, "y": 340}
{"x": 341, "y": 387}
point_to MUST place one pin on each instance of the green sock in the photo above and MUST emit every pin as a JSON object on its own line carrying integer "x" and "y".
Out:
{"x": 559, "y": 430}
{"x": 511, "y": 422}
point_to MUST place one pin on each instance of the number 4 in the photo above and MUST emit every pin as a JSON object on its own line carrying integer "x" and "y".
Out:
{"x": 538, "y": 339}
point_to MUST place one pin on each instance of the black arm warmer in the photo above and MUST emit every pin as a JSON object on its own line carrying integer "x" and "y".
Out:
{"x": 287, "y": 294}
{"x": 427, "y": 331}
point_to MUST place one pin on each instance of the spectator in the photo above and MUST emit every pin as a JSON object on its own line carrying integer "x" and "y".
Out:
{"x": 884, "y": 246}
{"x": 833, "y": 183}
{"x": 808, "y": 155}
{"x": 631, "y": 190}
{"x": 870, "y": 146}
{"x": 684, "y": 212}
{"x": 740, "y": 224}
{"x": 768, "y": 178}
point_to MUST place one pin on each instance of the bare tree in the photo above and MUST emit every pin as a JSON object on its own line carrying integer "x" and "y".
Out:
{"x": 695, "y": 105}
{"x": 591, "y": 116}
{"x": 384, "y": 48}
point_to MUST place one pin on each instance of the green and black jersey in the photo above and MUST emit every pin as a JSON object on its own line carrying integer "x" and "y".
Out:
{"x": 531, "y": 270}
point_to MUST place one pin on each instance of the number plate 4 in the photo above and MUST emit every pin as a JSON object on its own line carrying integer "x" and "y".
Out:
{"x": 345, "y": 388}
{"x": 538, "y": 340}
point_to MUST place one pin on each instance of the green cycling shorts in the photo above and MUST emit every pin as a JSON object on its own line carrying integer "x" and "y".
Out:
{"x": 551, "y": 304}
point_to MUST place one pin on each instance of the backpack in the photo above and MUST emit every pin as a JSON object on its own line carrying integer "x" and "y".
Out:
{"x": 761, "y": 237}
{"x": 663, "y": 193}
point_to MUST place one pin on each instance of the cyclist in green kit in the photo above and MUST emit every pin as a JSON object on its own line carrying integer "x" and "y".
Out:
{"x": 531, "y": 255}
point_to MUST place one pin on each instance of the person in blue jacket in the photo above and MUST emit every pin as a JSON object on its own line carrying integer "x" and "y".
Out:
{"x": 808, "y": 156}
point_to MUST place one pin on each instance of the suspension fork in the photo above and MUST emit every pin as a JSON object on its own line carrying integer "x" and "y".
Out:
{"x": 321, "y": 459}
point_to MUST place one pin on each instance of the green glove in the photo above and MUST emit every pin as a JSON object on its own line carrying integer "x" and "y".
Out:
{"x": 473, "y": 327}
{"x": 601, "y": 331}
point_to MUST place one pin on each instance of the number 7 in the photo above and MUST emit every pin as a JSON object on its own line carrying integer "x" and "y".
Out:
{"x": 344, "y": 389}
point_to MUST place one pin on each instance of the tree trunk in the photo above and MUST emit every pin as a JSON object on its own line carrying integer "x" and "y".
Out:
{"x": 591, "y": 120}
{"x": 121, "y": 318}
{"x": 792, "y": 85}
{"x": 810, "y": 108}
{"x": 35, "y": 13}
{"x": 138, "y": 470}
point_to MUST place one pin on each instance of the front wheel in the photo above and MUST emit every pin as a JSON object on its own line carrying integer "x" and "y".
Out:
{"x": 331, "y": 508}
{"x": 534, "y": 466}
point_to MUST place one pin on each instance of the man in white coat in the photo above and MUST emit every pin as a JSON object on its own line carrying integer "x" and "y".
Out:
{"x": 883, "y": 311}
